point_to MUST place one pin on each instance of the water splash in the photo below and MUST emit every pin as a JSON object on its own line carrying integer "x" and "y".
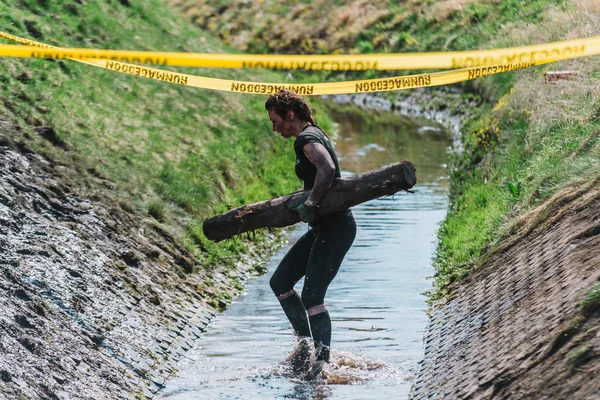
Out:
{"x": 344, "y": 368}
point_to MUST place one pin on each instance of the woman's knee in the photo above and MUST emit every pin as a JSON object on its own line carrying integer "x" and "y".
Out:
{"x": 275, "y": 285}
{"x": 280, "y": 286}
{"x": 311, "y": 300}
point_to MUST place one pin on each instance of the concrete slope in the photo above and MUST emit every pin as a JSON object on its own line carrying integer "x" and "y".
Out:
{"x": 94, "y": 305}
{"x": 514, "y": 329}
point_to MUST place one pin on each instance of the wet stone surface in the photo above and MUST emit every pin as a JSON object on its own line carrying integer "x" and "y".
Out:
{"x": 91, "y": 307}
{"x": 496, "y": 336}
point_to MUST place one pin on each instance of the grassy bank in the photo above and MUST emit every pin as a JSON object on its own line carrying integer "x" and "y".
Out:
{"x": 360, "y": 26}
{"x": 170, "y": 154}
{"x": 524, "y": 142}
{"x": 530, "y": 143}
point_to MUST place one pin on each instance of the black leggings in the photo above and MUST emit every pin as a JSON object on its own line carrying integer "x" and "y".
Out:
{"x": 317, "y": 256}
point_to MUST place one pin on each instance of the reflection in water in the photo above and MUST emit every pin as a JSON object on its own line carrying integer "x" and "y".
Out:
{"x": 376, "y": 302}
{"x": 369, "y": 140}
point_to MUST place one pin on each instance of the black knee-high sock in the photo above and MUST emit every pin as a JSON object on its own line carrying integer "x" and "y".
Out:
{"x": 320, "y": 325}
{"x": 296, "y": 313}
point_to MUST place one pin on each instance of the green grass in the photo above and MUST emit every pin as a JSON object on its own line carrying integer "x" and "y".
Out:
{"x": 499, "y": 180}
{"x": 172, "y": 154}
{"x": 350, "y": 27}
{"x": 579, "y": 356}
{"x": 591, "y": 302}
{"x": 361, "y": 27}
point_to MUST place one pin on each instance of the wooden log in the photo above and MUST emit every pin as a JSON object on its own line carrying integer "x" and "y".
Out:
{"x": 551, "y": 76}
{"x": 343, "y": 193}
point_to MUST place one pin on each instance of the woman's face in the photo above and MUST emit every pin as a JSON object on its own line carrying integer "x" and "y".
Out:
{"x": 280, "y": 125}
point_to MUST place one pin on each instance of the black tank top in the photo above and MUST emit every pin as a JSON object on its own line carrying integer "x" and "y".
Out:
{"x": 305, "y": 170}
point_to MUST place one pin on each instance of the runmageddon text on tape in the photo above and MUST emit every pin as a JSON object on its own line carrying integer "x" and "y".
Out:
{"x": 362, "y": 86}
{"x": 458, "y": 59}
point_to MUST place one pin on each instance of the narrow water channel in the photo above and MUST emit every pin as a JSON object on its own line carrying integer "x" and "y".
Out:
{"x": 376, "y": 301}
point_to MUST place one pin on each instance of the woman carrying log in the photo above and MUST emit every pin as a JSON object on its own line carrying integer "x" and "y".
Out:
{"x": 318, "y": 254}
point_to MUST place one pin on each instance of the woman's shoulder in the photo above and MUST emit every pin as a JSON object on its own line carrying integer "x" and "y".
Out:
{"x": 312, "y": 129}
{"x": 311, "y": 134}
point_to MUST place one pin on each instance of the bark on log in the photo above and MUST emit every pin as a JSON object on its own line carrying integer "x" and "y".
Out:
{"x": 343, "y": 193}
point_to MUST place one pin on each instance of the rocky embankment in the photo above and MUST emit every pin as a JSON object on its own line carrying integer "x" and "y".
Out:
{"x": 514, "y": 329}
{"x": 95, "y": 303}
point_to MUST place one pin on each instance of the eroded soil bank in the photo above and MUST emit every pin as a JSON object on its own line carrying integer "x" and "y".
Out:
{"x": 95, "y": 305}
{"x": 514, "y": 328}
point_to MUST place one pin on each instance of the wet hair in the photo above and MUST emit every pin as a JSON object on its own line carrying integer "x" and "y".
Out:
{"x": 286, "y": 100}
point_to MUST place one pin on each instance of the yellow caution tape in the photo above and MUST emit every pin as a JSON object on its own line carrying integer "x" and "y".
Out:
{"x": 361, "y": 86}
{"x": 458, "y": 59}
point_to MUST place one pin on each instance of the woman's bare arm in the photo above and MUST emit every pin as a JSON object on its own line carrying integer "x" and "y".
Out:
{"x": 318, "y": 155}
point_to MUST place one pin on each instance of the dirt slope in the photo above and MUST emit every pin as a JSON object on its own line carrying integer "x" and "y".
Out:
{"x": 514, "y": 329}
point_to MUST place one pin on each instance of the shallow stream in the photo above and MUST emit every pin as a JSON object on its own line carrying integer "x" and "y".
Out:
{"x": 376, "y": 301}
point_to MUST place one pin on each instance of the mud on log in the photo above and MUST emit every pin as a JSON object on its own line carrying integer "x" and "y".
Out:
{"x": 343, "y": 193}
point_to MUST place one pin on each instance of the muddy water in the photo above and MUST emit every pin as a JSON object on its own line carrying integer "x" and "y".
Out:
{"x": 376, "y": 301}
